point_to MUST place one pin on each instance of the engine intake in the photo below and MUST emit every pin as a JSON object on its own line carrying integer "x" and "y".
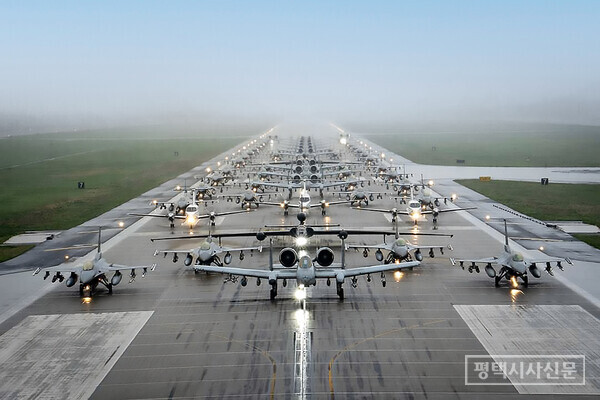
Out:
{"x": 325, "y": 256}
{"x": 288, "y": 257}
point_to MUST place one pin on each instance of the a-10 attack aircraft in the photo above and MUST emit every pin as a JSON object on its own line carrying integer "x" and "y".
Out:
{"x": 207, "y": 253}
{"x": 91, "y": 273}
{"x": 512, "y": 264}
{"x": 297, "y": 265}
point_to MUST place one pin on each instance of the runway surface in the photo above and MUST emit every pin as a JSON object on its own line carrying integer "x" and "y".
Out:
{"x": 201, "y": 337}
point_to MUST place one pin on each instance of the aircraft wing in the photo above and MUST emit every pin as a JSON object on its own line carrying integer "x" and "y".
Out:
{"x": 254, "y": 273}
{"x": 333, "y": 184}
{"x": 259, "y": 248}
{"x": 382, "y": 210}
{"x": 449, "y": 210}
{"x": 543, "y": 260}
{"x": 433, "y": 246}
{"x": 119, "y": 267}
{"x": 382, "y": 246}
{"x": 61, "y": 268}
{"x": 330, "y": 203}
{"x": 220, "y": 214}
{"x": 350, "y": 272}
{"x": 156, "y": 215}
{"x": 490, "y": 260}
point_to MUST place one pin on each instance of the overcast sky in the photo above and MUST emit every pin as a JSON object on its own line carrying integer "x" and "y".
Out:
{"x": 294, "y": 60}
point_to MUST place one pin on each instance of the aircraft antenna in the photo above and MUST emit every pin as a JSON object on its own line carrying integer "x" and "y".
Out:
{"x": 99, "y": 238}
{"x": 505, "y": 234}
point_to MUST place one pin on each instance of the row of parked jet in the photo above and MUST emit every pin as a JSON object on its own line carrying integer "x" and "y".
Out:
{"x": 295, "y": 263}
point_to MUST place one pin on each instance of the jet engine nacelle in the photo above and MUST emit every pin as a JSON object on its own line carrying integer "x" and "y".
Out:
{"x": 325, "y": 256}
{"x": 314, "y": 178}
{"x": 188, "y": 260}
{"x": 314, "y": 169}
{"x": 288, "y": 257}
{"x": 72, "y": 279}
{"x": 298, "y": 169}
{"x": 418, "y": 255}
{"x": 116, "y": 279}
{"x": 297, "y": 179}
{"x": 535, "y": 271}
{"x": 490, "y": 271}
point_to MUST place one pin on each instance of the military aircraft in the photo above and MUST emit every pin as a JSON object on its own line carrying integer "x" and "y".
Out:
{"x": 360, "y": 195}
{"x": 299, "y": 266}
{"x": 192, "y": 215}
{"x": 207, "y": 253}
{"x": 415, "y": 209}
{"x": 246, "y": 199}
{"x": 292, "y": 264}
{"x": 303, "y": 204}
{"x": 399, "y": 250}
{"x": 217, "y": 178}
{"x": 512, "y": 264}
{"x": 91, "y": 273}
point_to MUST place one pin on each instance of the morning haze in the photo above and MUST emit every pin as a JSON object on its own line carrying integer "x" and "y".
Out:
{"x": 73, "y": 65}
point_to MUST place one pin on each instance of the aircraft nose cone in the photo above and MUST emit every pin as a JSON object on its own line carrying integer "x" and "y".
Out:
{"x": 87, "y": 276}
{"x": 520, "y": 267}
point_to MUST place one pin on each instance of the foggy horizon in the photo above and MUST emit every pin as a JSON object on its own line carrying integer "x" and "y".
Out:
{"x": 83, "y": 65}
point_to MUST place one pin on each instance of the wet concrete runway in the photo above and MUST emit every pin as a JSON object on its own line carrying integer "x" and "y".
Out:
{"x": 210, "y": 339}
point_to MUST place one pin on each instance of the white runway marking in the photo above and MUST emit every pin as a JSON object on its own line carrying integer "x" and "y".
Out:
{"x": 539, "y": 330}
{"x": 66, "y": 355}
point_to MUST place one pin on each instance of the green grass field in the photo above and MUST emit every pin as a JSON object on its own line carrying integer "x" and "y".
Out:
{"x": 39, "y": 173}
{"x": 530, "y": 146}
{"x": 555, "y": 202}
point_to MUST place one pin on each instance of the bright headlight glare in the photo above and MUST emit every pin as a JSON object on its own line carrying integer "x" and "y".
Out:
{"x": 301, "y": 241}
{"x": 300, "y": 294}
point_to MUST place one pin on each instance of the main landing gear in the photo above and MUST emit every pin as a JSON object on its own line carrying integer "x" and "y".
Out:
{"x": 273, "y": 291}
{"x": 340, "y": 290}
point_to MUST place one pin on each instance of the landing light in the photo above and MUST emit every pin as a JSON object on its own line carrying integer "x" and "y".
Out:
{"x": 487, "y": 217}
{"x": 208, "y": 169}
{"x": 454, "y": 196}
{"x": 300, "y": 293}
{"x": 121, "y": 224}
{"x": 382, "y": 155}
{"x": 398, "y": 275}
{"x": 67, "y": 257}
{"x": 177, "y": 187}
{"x": 430, "y": 183}
{"x": 541, "y": 248}
{"x": 301, "y": 241}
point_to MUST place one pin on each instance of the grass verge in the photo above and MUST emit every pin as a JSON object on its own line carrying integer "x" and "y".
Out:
{"x": 39, "y": 173}
{"x": 555, "y": 202}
